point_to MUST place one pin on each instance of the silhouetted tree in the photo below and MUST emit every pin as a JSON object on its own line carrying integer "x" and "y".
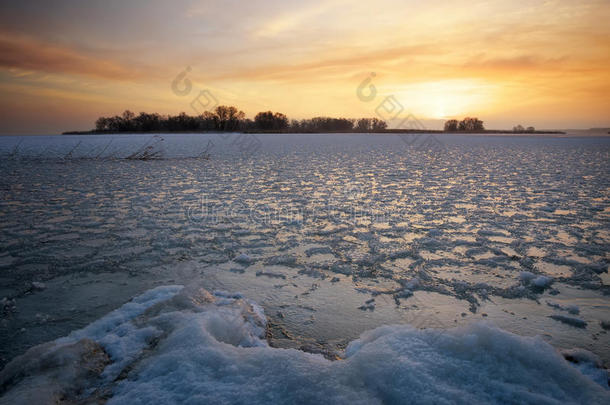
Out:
{"x": 471, "y": 125}
{"x": 451, "y": 125}
{"x": 295, "y": 125}
{"x": 101, "y": 124}
{"x": 323, "y": 124}
{"x": 378, "y": 125}
{"x": 270, "y": 121}
{"x": 363, "y": 125}
{"x": 147, "y": 122}
{"x": 229, "y": 118}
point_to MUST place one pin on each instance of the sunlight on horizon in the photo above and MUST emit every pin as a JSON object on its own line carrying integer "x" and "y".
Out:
{"x": 448, "y": 98}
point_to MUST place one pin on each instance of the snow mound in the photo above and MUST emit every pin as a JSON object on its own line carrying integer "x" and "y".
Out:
{"x": 211, "y": 348}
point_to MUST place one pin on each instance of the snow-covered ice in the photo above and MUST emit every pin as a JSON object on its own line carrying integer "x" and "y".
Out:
{"x": 211, "y": 348}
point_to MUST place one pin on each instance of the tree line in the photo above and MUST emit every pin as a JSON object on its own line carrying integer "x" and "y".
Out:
{"x": 520, "y": 129}
{"x": 468, "y": 124}
{"x": 229, "y": 118}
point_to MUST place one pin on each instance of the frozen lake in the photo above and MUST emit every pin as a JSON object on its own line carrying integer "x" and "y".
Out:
{"x": 332, "y": 235}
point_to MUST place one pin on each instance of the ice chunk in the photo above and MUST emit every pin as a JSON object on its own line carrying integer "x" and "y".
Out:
{"x": 406, "y": 293}
{"x": 7, "y": 306}
{"x": 38, "y": 286}
{"x": 284, "y": 260}
{"x": 369, "y": 305}
{"x": 568, "y": 320}
{"x": 433, "y": 233}
{"x": 243, "y": 259}
{"x": 411, "y": 284}
{"x": 542, "y": 281}
{"x": 526, "y": 276}
{"x": 529, "y": 278}
{"x": 270, "y": 274}
{"x": 318, "y": 251}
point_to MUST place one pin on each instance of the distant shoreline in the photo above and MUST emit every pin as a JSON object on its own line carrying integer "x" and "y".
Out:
{"x": 385, "y": 131}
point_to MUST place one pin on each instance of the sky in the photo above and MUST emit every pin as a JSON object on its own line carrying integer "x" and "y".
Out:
{"x": 63, "y": 63}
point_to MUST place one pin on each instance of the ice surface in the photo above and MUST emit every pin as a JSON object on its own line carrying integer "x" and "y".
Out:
{"x": 212, "y": 349}
{"x": 360, "y": 215}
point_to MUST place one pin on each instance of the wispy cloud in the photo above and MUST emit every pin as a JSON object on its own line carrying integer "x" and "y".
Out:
{"x": 34, "y": 55}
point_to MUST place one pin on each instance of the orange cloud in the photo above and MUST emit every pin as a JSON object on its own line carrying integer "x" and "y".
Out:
{"x": 30, "y": 54}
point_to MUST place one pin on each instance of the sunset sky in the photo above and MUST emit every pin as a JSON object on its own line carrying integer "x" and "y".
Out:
{"x": 542, "y": 63}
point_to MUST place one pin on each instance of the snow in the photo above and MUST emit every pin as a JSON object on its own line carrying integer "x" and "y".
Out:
{"x": 211, "y": 348}
{"x": 588, "y": 363}
{"x": 121, "y": 339}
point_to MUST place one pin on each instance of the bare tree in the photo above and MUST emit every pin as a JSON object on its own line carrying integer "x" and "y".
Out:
{"x": 451, "y": 126}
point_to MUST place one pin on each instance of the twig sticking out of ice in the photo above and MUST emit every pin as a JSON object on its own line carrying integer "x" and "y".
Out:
{"x": 150, "y": 150}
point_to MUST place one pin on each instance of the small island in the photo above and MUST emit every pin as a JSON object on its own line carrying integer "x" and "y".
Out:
{"x": 231, "y": 119}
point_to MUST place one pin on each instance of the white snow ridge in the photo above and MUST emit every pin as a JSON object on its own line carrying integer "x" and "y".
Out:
{"x": 184, "y": 345}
